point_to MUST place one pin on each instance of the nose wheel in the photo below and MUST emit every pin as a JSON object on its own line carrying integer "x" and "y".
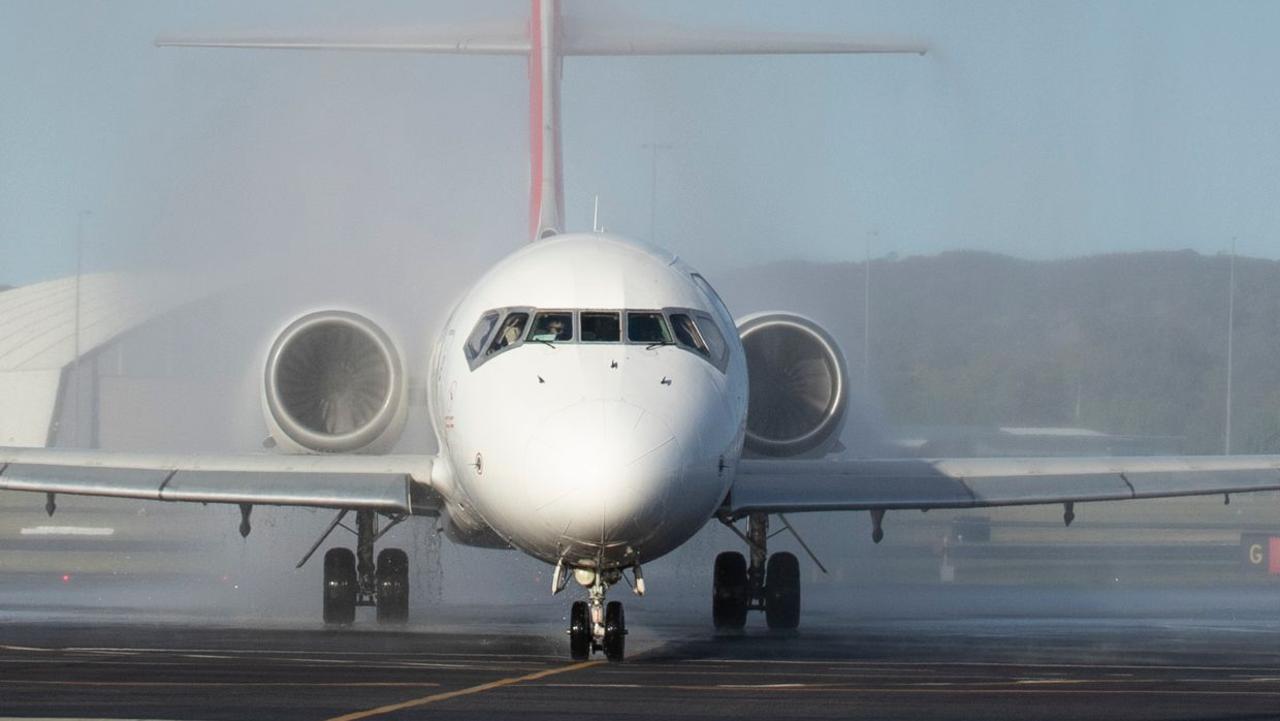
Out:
{"x": 597, "y": 626}
{"x": 614, "y": 643}
{"x": 579, "y": 631}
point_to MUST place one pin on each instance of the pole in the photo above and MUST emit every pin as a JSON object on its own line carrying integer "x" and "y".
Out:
{"x": 1231, "y": 330}
{"x": 653, "y": 186}
{"x": 866, "y": 317}
{"x": 75, "y": 367}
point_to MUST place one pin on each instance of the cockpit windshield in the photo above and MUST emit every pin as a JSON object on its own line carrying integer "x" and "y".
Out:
{"x": 510, "y": 333}
{"x": 717, "y": 346}
{"x": 552, "y": 325}
{"x": 687, "y": 333}
{"x": 476, "y": 340}
{"x": 601, "y": 327}
{"x": 647, "y": 327}
{"x": 503, "y": 329}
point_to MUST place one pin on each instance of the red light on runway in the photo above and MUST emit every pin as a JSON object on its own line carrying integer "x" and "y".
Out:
{"x": 66, "y": 578}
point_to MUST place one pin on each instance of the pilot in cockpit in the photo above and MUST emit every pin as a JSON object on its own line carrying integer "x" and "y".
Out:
{"x": 512, "y": 327}
{"x": 552, "y": 325}
{"x": 551, "y": 331}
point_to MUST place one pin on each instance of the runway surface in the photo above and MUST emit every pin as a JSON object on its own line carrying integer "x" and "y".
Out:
{"x": 966, "y": 654}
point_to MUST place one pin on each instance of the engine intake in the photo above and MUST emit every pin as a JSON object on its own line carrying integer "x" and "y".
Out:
{"x": 799, "y": 382}
{"x": 334, "y": 384}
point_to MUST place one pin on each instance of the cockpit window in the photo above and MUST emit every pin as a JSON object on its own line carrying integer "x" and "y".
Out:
{"x": 600, "y": 327}
{"x": 716, "y": 344}
{"x": 689, "y": 329}
{"x": 510, "y": 333}
{"x": 475, "y": 341}
{"x": 553, "y": 325}
{"x": 647, "y": 327}
{"x": 687, "y": 335}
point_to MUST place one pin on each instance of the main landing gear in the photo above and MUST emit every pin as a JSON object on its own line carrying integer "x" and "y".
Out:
{"x": 595, "y": 625}
{"x": 353, "y": 579}
{"x": 769, "y": 583}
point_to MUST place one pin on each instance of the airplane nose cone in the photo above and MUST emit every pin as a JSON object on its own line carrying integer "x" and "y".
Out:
{"x": 601, "y": 472}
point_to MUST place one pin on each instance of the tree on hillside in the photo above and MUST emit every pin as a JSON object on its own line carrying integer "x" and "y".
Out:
{"x": 1126, "y": 343}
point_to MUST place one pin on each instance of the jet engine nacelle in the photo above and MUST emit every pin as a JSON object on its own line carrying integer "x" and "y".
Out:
{"x": 334, "y": 383}
{"x": 799, "y": 386}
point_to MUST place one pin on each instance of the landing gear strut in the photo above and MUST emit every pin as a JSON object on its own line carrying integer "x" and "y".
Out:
{"x": 354, "y": 579}
{"x": 595, "y": 625}
{"x": 768, "y": 583}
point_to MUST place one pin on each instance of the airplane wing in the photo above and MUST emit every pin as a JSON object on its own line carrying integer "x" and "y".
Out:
{"x": 773, "y": 486}
{"x": 388, "y": 484}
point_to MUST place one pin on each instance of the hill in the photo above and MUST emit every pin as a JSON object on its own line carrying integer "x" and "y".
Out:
{"x": 1126, "y": 343}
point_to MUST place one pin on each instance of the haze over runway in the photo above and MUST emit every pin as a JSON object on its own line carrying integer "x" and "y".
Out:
{"x": 938, "y": 656}
{"x": 389, "y": 182}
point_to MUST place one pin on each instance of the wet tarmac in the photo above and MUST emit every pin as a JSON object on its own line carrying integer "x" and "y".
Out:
{"x": 941, "y": 653}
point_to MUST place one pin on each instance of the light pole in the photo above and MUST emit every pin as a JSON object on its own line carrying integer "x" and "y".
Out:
{"x": 1231, "y": 331}
{"x": 75, "y": 366}
{"x": 866, "y": 315}
{"x": 653, "y": 184}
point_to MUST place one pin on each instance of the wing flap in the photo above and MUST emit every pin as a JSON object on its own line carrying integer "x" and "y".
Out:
{"x": 1056, "y": 488}
{"x": 756, "y": 493}
{"x": 114, "y": 482}
{"x": 1161, "y": 484}
{"x": 376, "y": 491}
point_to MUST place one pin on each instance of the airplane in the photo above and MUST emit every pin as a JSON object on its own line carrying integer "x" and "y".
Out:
{"x": 595, "y": 404}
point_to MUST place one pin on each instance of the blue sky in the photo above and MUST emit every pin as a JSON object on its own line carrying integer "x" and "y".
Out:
{"x": 1038, "y": 129}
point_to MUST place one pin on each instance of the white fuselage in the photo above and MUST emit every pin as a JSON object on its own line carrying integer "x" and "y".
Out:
{"x": 598, "y": 454}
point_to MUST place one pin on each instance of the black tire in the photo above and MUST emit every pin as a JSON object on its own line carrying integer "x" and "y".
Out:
{"x": 782, "y": 591}
{"x": 393, "y": 586}
{"x": 579, "y": 631}
{"x": 729, "y": 591}
{"x": 615, "y": 632}
{"x": 339, "y": 586}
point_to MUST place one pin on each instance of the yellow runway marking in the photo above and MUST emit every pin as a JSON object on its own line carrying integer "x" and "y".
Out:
{"x": 435, "y": 698}
{"x": 202, "y": 684}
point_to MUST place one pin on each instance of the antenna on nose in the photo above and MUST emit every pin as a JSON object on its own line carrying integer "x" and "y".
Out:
{"x": 595, "y": 217}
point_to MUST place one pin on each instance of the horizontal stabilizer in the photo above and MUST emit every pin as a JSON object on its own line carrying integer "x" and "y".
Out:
{"x": 682, "y": 42}
{"x": 487, "y": 39}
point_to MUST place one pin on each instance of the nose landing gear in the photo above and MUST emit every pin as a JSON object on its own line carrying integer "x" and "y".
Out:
{"x": 595, "y": 625}
{"x": 353, "y": 579}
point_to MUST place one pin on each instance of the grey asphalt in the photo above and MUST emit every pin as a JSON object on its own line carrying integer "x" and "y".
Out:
{"x": 945, "y": 653}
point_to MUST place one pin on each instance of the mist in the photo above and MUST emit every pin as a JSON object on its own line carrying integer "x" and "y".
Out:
{"x": 1025, "y": 221}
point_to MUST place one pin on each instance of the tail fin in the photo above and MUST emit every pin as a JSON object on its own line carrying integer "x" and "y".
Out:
{"x": 546, "y": 41}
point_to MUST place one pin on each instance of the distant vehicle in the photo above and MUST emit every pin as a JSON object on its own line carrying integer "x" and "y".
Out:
{"x": 593, "y": 400}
